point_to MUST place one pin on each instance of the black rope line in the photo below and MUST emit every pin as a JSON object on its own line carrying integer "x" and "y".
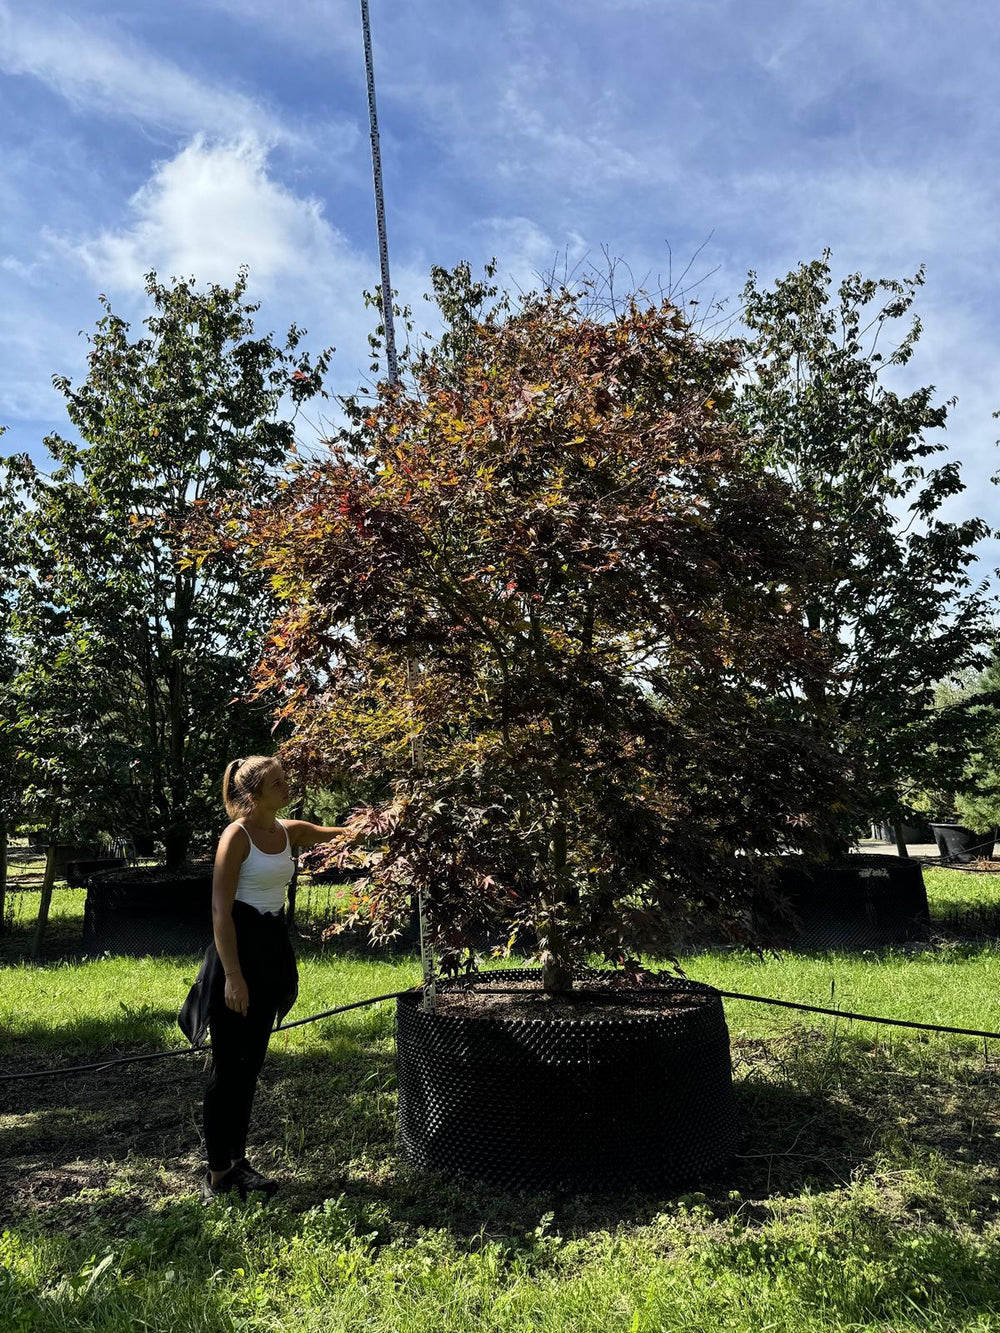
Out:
{"x": 194, "y": 1050}
{"x": 862, "y": 1018}
{"x": 343, "y": 1008}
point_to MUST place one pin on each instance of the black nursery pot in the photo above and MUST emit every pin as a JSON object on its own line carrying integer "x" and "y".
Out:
{"x": 958, "y": 843}
{"x": 68, "y": 853}
{"x": 869, "y": 901}
{"x": 919, "y": 832}
{"x": 149, "y": 910}
{"x": 632, "y": 1102}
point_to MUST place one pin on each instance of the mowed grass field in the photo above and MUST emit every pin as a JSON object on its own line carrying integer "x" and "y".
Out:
{"x": 865, "y": 1195}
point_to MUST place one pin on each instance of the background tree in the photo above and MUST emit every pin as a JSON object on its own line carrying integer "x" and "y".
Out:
{"x": 60, "y": 772}
{"x": 973, "y": 798}
{"x": 895, "y": 599}
{"x": 13, "y": 775}
{"x": 43, "y": 727}
{"x": 555, "y": 519}
{"x": 166, "y": 421}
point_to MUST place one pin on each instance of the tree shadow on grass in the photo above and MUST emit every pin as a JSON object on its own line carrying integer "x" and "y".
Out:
{"x": 87, "y": 1039}
{"x": 63, "y": 941}
{"x": 818, "y": 1111}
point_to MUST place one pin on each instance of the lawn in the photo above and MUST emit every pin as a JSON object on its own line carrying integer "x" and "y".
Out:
{"x": 866, "y": 1194}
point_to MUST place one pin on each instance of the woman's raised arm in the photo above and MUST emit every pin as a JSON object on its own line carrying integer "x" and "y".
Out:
{"x": 303, "y": 834}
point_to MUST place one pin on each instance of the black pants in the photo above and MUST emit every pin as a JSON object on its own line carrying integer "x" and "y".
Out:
{"x": 239, "y": 1042}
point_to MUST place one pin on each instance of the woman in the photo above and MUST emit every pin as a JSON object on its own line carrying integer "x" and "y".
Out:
{"x": 248, "y": 979}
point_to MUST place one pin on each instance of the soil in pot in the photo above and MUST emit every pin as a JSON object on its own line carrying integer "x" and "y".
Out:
{"x": 525, "y": 998}
{"x": 595, "y": 1090}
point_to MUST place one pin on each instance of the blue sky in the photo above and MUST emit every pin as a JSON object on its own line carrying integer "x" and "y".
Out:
{"x": 193, "y": 136}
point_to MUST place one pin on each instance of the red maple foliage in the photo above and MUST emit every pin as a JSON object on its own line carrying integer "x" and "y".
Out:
{"x": 603, "y": 594}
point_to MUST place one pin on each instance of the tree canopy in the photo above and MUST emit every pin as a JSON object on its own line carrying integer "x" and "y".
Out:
{"x": 896, "y": 598}
{"x": 556, "y": 519}
{"x": 195, "y": 405}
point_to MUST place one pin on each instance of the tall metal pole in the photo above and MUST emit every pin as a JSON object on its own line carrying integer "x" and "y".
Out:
{"x": 383, "y": 244}
{"x": 416, "y": 749}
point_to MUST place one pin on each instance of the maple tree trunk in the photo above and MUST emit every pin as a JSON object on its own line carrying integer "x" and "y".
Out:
{"x": 556, "y": 975}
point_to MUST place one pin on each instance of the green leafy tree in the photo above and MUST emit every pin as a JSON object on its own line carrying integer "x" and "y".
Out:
{"x": 165, "y": 422}
{"x": 47, "y": 708}
{"x": 552, "y": 517}
{"x": 13, "y": 774}
{"x": 973, "y": 798}
{"x": 895, "y": 599}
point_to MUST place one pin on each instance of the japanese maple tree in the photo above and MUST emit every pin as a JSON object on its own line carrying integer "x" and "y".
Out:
{"x": 552, "y": 518}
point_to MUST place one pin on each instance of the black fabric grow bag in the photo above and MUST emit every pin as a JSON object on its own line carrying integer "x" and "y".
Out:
{"x": 866, "y": 902}
{"x": 958, "y": 843}
{"x": 149, "y": 911}
{"x": 636, "y": 1102}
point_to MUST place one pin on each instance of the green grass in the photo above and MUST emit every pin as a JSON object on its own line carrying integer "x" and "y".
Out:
{"x": 866, "y": 1194}
{"x": 87, "y": 1005}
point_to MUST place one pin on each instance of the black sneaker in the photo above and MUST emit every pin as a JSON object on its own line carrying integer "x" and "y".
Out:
{"x": 252, "y": 1181}
{"x": 230, "y": 1183}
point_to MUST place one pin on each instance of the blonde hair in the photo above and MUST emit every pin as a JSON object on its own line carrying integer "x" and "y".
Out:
{"x": 242, "y": 781}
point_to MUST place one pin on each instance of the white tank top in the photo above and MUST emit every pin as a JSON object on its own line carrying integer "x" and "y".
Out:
{"x": 264, "y": 876}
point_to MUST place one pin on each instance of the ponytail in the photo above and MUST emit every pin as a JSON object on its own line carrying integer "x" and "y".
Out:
{"x": 242, "y": 781}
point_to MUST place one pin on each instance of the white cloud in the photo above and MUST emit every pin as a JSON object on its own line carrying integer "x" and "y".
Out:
{"x": 528, "y": 254}
{"x": 216, "y": 206}
{"x": 210, "y": 209}
{"x": 123, "y": 79}
{"x": 27, "y": 272}
{"x": 314, "y": 24}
